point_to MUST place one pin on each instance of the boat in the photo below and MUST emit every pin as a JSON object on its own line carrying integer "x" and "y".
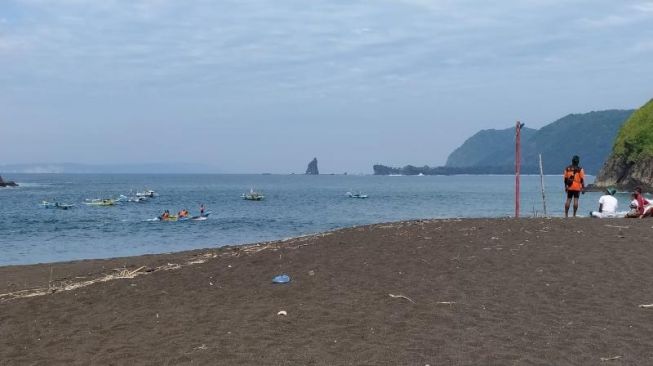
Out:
{"x": 252, "y": 195}
{"x": 147, "y": 193}
{"x": 203, "y": 217}
{"x": 136, "y": 199}
{"x": 100, "y": 202}
{"x": 57, "y": 205}
{"x": 356, "y": 195}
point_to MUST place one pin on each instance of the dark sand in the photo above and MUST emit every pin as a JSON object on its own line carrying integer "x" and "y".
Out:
{"x": 485, "y": 292}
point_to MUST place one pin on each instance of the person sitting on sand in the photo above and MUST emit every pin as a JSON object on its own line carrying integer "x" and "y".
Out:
{"x": 607, "y": 205}
{"x": 634, "y": 212}
{"x": 644, "y": 207}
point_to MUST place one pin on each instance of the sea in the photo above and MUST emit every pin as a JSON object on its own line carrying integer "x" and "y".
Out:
{"x": 294, "y": 205}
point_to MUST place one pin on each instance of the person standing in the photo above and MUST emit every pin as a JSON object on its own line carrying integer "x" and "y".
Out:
{"x": 574, "y": 178}
{"x": 607, "y": 205}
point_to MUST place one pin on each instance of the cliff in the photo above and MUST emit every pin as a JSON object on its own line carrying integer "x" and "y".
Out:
{"x": 312, "y": 168}
{"x": 631, "y": 162}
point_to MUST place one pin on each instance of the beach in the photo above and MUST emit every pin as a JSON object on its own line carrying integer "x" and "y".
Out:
{"x": 428, "y": 292}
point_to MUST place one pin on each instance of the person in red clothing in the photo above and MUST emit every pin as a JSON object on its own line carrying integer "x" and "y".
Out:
{"x": 643, "y": 208}
{"x": 574, "y": 178}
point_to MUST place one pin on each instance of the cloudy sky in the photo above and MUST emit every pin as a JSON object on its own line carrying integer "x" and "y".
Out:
{"x": 264, "y": 86}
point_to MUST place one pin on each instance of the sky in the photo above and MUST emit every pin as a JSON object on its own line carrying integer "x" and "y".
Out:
{"x": 266, "y": 85}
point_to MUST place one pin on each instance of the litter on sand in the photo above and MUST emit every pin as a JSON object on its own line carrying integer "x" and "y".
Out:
{"x": 402, "y": 297}
{"x": 284, "y": 278}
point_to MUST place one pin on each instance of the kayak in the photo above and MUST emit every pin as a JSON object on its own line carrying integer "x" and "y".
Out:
{"x": 186, "y": 218}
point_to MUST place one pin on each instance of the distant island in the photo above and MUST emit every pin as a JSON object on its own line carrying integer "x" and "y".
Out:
{"x": 631, "y": 162}
{"x": 143, "y": 168}
{"x": 589, "y": 135}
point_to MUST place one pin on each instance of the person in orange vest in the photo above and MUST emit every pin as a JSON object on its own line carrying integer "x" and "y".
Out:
{"x": 574, "y": 178}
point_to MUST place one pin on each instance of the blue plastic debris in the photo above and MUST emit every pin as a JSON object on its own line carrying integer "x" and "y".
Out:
{"x": 284, "y": 278}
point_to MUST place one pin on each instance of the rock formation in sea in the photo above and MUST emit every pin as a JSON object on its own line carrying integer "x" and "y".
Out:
{"x": 4, "y": 183}
{"x": 631, "y": 161}
{"x": 312, "y": 168}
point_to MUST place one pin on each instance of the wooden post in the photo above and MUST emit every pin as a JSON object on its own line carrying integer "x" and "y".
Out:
{"x": 542, "y": 185}
{"x": 518, "y": 127}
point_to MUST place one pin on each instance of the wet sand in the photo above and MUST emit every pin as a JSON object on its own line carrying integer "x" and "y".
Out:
{"x": 440, "y": 292}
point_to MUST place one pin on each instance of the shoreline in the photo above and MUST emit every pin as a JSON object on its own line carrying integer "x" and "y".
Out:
{"x": 441, "y": 291}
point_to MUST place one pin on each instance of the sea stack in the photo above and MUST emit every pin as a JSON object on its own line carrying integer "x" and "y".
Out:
{"x": 631, "y": 161}
{"x": 312, "y": 168}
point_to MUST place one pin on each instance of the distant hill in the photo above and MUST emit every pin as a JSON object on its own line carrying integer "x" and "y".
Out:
{"x": 588, "y": 135}
{"x": 153, "y": 168}
{"x": 486, "y": 147}
{"x": 631, "y": 162}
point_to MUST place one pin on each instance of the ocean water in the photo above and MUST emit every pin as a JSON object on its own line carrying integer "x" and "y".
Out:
{"x": 294, "y": 205}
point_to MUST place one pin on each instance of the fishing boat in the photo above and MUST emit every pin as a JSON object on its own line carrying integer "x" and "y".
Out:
{"x": 356, "y": 195}
{"x": 100, "y": 202}
{"x": 136, "y": 199}
{"x": 147, "y": 193}
{"x": 252, "y": 195}
{"x": 57, "y": 205}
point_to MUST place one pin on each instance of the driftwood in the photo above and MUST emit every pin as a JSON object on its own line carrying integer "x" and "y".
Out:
{"x": 603, "y": 359}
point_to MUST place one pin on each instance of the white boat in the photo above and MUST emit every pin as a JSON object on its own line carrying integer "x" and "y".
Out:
{"x": 147, "y": 193}
{"x": 356, "y": 195}
{"x": 252, "y": 195}
{"x": 57, "y": 205}
{"x": 100, "y": 202}
{"x": 137, "y": 199}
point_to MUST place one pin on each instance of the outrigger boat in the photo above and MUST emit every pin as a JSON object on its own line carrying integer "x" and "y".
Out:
{"x": 100, "y": 202}
{"x": 147, "y": 193}
{"x": 57, "y": 205}
{"x": 137, "y": 199}
{"x": 252, "y": 195}
{"x": 356, "y": 195}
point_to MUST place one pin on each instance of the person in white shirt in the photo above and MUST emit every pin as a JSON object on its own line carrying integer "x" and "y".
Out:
{"x": 607, "y": 205}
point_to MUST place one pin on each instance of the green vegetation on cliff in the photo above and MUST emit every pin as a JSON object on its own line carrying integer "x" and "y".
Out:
{"x": 635, "y": 139}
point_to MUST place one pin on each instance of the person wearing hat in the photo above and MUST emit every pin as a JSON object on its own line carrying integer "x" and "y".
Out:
{"x": 607, "y": 205}
{"x": 574, "y": 178}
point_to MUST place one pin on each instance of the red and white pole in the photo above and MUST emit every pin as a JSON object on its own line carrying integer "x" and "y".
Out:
{"x": 518, "y": 127}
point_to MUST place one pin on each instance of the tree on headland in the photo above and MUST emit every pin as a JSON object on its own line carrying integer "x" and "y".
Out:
{"x": 631, "y": 161}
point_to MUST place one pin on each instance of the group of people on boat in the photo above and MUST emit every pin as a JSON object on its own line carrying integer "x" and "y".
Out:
{"x": 181, "y": 214}
{"x": 574, "y": 180}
